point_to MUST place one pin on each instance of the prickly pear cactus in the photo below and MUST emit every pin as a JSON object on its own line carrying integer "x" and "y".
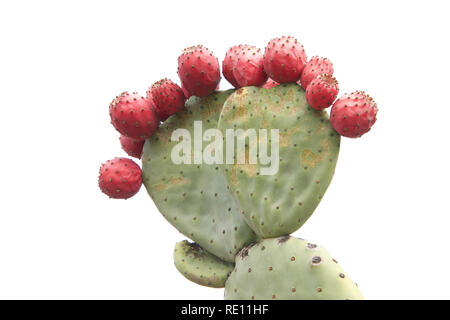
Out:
{"x": 200, "y": 266}
{"x": 195, "y": 199}
{"x": 278, "y": 204}
{"x": 288, "y": 268}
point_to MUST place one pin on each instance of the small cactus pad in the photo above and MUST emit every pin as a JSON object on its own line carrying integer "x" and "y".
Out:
{"x": 279, "y": 204}
{"x": 200, "y": 266}
{"x": 288, "y": 268}
{"x": 195, "y": 198}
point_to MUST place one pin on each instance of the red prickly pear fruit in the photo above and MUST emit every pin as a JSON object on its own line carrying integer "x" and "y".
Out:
{"x": 188, "y": 95}
{"x": 248, "y": 68}
{"x": 120, "y": 178}
{"x": 198, "y": 70}
{"x": 284, "y": 59}
{"x": 322, "y": 91}
{"x": 353, "y": 114}
{"x": 131, "y": 146}
{"x": 133, "y": 115}
{"x": 229, "y": 62}
{"x": 168, "y": 98}
{"x": 314, "y": 67}
{"x": 269, "y": 84}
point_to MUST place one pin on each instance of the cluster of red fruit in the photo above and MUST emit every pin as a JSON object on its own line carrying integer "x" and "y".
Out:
{"x": 283, "y": 61}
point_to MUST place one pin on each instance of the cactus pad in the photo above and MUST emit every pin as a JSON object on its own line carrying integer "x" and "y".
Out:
{"x": 279, "y": 204}
{"x": 200, "y": 266}
{"x": 288, "y": 268}
{"x": 195, "y": 198}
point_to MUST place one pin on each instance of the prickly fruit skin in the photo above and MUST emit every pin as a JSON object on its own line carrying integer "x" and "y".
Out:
{"x": 284, "y": 59}
{"x": 168, "y": 97}
{"x": 278, "y": 200}
{"x": 133, "y": 115}
{"x": 187, "y": 95}
{"x": 322, "y": 91}
{"x": 352, "y": 115}
{"x": 195, "y": 198}
{"x": 248, "y": 69}
{"x": 149, "y": 97}
{"x": 288, "y": 268}
{"x": 229, "y": 62}
{"x": 198, "y": 70}
{"x": 131, "y": 146}
{"x": 120, "y": 178}
{"x": 200, "y": 266}
{"x": 314, "y": 67}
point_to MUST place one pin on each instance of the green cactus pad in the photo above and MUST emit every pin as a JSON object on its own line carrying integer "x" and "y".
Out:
{"x": 288, "y": 268}
{"x": 279, "y": 204}
{"x": 200, "y": 266}
{"x": 195, "y": 199}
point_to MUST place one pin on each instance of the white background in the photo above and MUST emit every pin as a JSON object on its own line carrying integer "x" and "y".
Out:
{"x": 385, "y": 217}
